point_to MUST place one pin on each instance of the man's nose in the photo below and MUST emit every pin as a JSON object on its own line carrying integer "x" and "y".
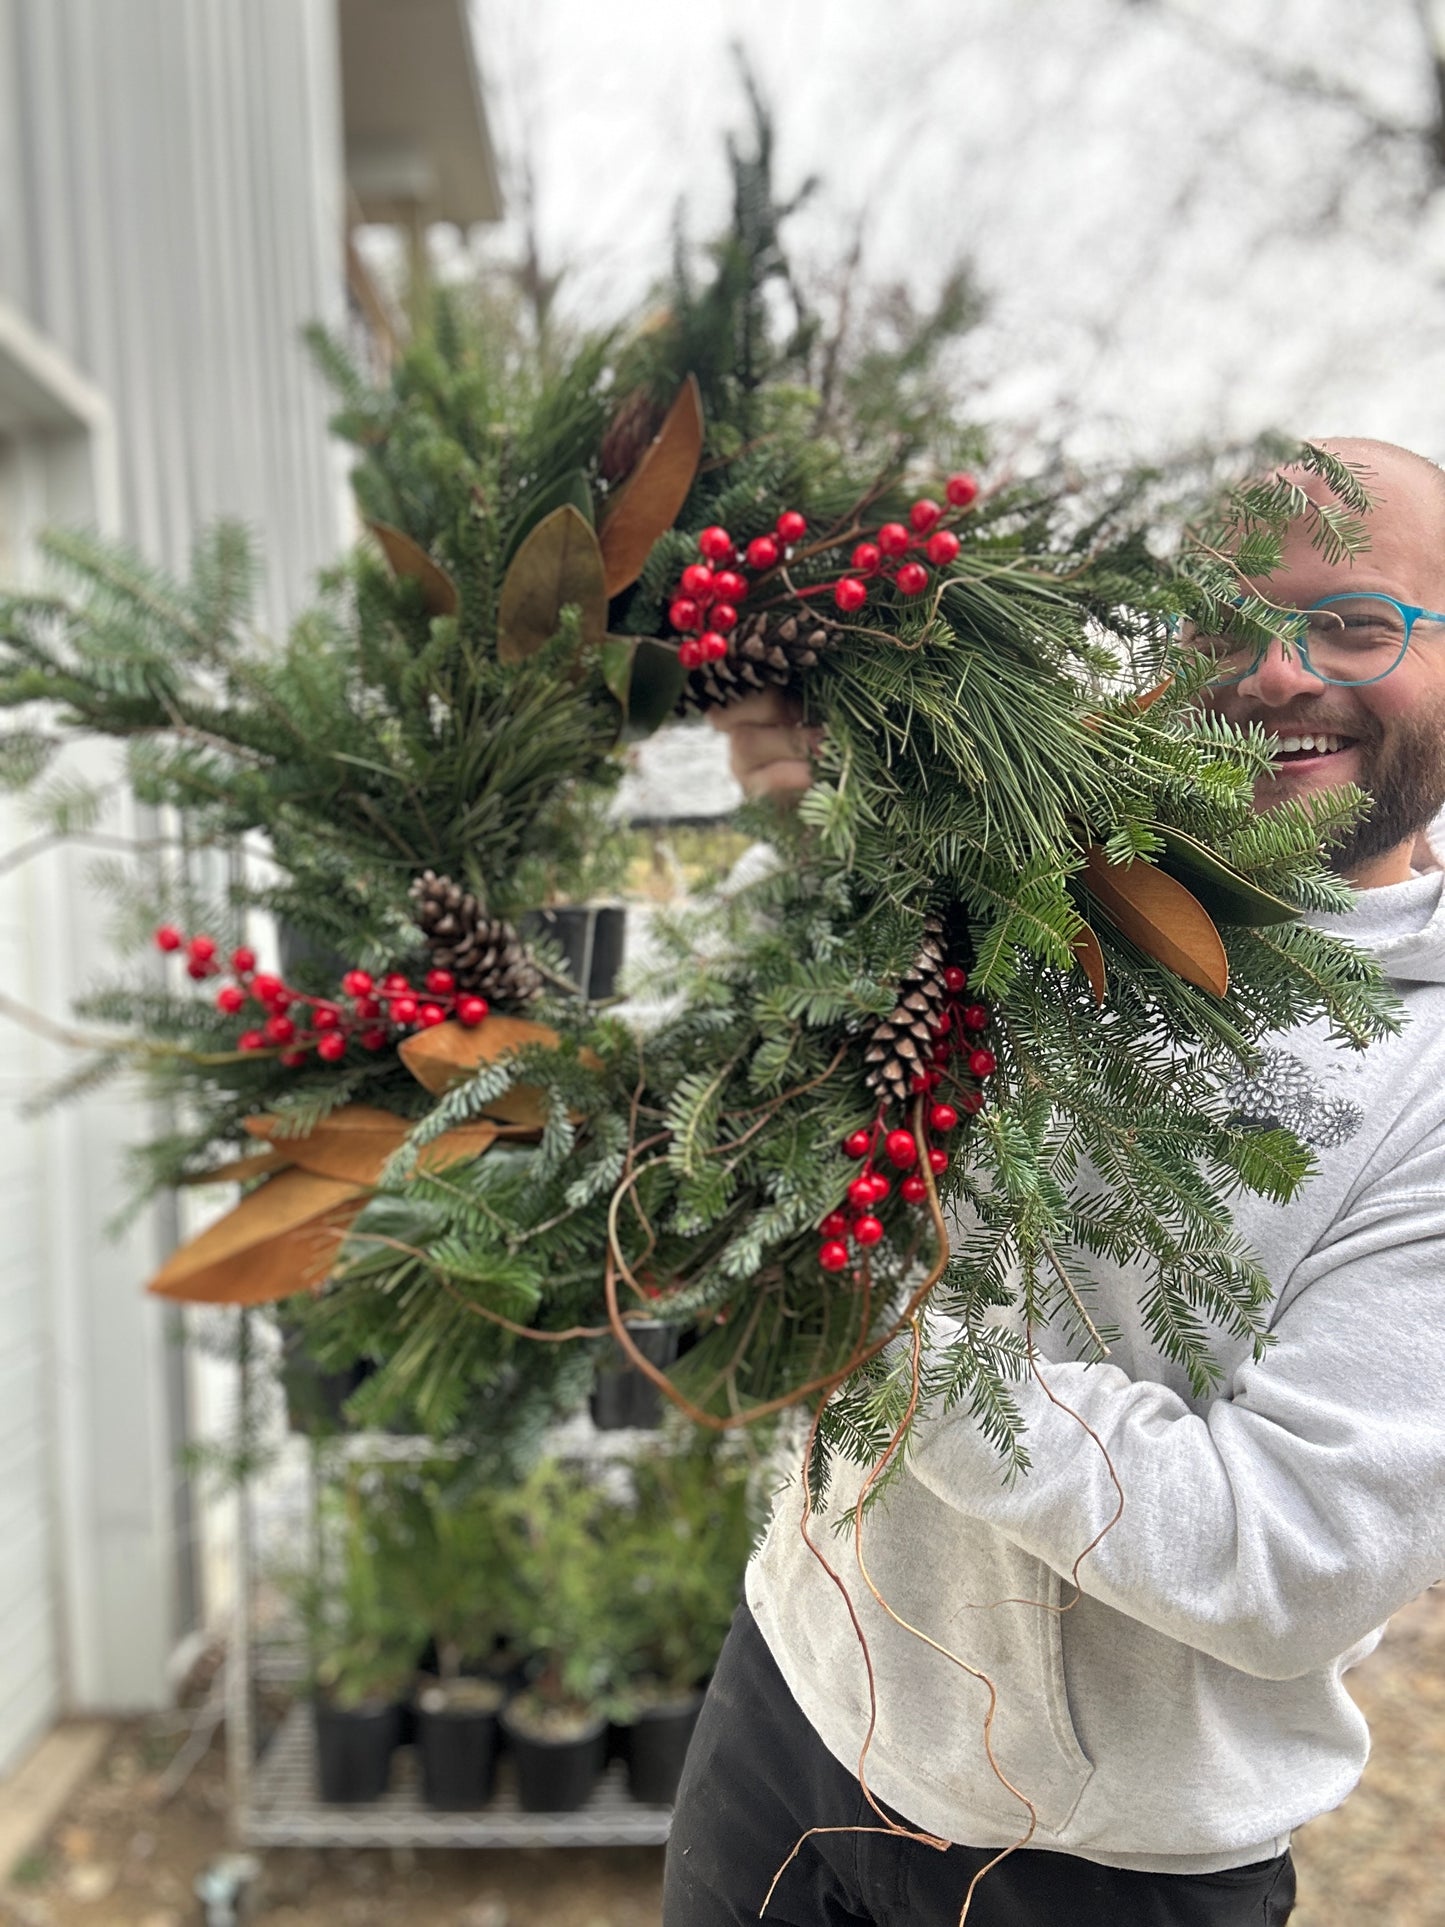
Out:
{"x": 1278, "y": 677}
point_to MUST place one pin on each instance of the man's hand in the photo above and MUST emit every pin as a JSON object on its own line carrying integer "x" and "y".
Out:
{"x": 768, "y": 745}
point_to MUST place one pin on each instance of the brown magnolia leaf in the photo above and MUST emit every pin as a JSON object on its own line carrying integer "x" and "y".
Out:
{"x": 560, "y": 562}
{"x": 1161, "y": 917}
{"x": 1091, "y": 959}
{"x": 1137, "y": 704}
{"x": 355, "y": 1143}
{"x": 449, "y": 1053}
{"x": 647, "y": 504}
{"x": 409, "y": 559}
{"x": 256, "y": 1164}
{"x": 280, "y": 1239}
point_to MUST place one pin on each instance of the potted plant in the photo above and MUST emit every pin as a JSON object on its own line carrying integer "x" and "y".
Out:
{"x": 363, "y": 1651}
{"x": 621, "y": 1395}
{"x": 680, "y": 1548}
{"x": 451, "y": 1563}
{"x": 561, "y": 1522}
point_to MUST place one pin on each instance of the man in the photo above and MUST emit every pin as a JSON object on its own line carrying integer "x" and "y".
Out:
{"x": 1172, "y": 1724}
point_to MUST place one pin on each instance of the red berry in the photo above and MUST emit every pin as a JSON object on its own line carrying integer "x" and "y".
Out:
{"x": 961, "y": 490}
{"x": 201, "y": 949}
{"x": 713, "y": 646}
{"x": 835, "y": 1225}
{"x": 403, "y": 1010}
{"x": 982, "y": 1063}
{"x": 279, "y": 1000}
{"x": 332, "y": 1047}
{"x": 943, "y": 546}
{"x": 976, "y": 1016}
{"x": 367, "y": 1007}
{"x": 716, "y": 544}
{"x": 942, "y": 1117}
{"x": 857, "y": 1143}
{"x": 762, "y": 552}
{"x": 924, "y": 515}
{"x": 860, "y": 1193}
{"x": 440, "y": 982}
{"x": 326, "y": 1017}
{"x": 697, "y": 580}
{"x": 168, "y": 937}
{"x": 893, "y": 539}
{"x": 912, "y": 578}
{"x": 867, "y": 558}
{"x": 723, "y": 615}
{"x": 868, "y": 1231}
{"x": 196, "y": 968}
{"x": 251, "y": 1040}
{"x": 937, "y": 1161}
{"x": 920, "y": 1083}
{"x": 394, "y": 984}
{"x": 850, "y": 594}
{"x": 683, "y": 613}
{"x": 231, "y": 999}
{"x": 791, "y": 526}
{"x": 293, "y": 1059}
{"x": 731, "y": 586}
{"x": 373, "y": 1040}
{"x": 689, "y": 654}
{"x": 913, "y": 1190}
{"x": 955, "y": 979}
{"x": 901, "y": 1148}
{"x": 971, "y": 1103}
{"x": 280, "y": 1030}
{"x": 358, "y": 983}
{"x": 243, "y": 961}
{"x": 265, "y": 986}
{"x": 834, "y": 1256}
{"x": 430, "y": 1015}
{"x": 471, "y": 1010}
{"x": 879, "y": 1186}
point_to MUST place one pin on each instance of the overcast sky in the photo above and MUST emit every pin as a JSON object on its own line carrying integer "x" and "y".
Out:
{"x": 1175, "y": 246}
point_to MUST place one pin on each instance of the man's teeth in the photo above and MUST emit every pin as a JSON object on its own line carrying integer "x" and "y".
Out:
{"x": 1322, "y": 745}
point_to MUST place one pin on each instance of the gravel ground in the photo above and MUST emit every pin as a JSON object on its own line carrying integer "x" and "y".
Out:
{"x": 121, "y": 1859}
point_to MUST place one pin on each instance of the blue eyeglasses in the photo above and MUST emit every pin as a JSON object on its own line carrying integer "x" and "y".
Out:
{"x": 1349, "y": 640}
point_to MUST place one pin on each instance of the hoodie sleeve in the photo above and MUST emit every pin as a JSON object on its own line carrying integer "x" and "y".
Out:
{"x": 1302, "y": 1508}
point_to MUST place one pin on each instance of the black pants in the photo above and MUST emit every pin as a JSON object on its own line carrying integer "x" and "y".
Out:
{"x": 757, "y": 1776}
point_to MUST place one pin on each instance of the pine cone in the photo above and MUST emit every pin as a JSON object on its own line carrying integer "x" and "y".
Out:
{"x": 766, "y": 651}
{"x": 635, "y": 421}
{"x": 900, "y": 1046}
{"x": 484, "y": 954}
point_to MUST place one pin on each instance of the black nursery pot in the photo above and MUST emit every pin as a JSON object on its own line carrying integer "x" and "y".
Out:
{"x": 621, "y": 1395}
{"x": 656, "y": 1746}
{"x": 556, "y": 1776}
{"x": 353, "y": 1751}
{"x": 591, "y": 938}
{"x": 457, "y": 1748}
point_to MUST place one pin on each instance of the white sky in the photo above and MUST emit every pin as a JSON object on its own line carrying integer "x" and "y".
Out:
{"x": 1150, "y": 215}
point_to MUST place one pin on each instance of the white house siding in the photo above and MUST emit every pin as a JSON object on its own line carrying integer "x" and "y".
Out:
{"x": 171, "y": 215}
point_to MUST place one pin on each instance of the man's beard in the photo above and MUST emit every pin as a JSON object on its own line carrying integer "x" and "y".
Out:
{"x": 1405, "y": 779}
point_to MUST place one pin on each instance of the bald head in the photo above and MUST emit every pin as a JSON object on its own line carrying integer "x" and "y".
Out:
{"x": 1408, "y": 491}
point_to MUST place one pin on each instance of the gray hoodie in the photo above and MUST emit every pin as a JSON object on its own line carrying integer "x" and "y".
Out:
{"x": 1188, "y": 1709}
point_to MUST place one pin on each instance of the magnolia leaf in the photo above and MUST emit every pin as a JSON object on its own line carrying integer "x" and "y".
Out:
{"x": 647, "y": 504}
{"x": 448, "y": 1054}
{"x": 1136, "y": 705}
{"x": 646, "y": 678}
{"x": 280, "y": 1239}
{"x": 355, "y": 1143}
{"x": 409, "y": 560}
{"x": 1225, "y": 894}
{"x": 258, "y": 1164}
{"x": 571, "y": 489}
{"x": 1161, "y": 917}
{"x": 559, "y": 563}
{"x": 1091, "y": 959}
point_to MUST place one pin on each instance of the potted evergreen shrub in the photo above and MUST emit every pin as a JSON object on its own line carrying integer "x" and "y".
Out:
{"x": 561, "y": 1522}
{"x": 451, "y": 1567}
{"x": 680, "y": 1551}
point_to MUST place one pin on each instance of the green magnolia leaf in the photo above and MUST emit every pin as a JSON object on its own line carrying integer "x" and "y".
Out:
{"x": 559, "y": 563}
{"x": 645, "y": 677}
{"x": 1225, "y": 894}
{"x": 572, "y": 490}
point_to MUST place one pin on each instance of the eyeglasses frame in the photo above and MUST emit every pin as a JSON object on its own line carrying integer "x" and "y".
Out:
{"x": 1409, "y": 611}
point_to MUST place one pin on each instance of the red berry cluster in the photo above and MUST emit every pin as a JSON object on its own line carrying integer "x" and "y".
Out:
{"x": 704, "y": 605}
{"x": 959, "y": 1036}
{"x": 295, "y": 1023}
